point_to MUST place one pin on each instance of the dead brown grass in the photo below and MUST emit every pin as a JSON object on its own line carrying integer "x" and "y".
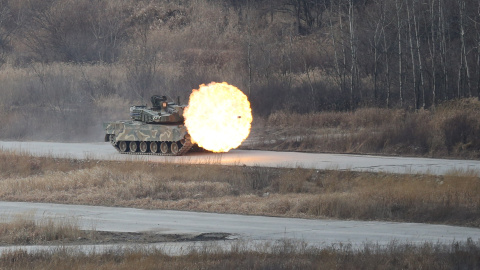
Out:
{"x": 451, "y": 199}
{"x": 281, "y": 255}
{"x": 450, "y": 130}
{"x": 23, "y": 229}
{"x": 23, "y": 165}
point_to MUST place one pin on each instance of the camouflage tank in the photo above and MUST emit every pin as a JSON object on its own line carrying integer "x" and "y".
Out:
{"x": 158, "y": 130}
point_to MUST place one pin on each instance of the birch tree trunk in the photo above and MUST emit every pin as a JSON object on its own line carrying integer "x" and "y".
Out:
{"x": 353, "y": 54}
{"x": 443, "y": 48}
{"x": 464, "y": 50}
{"x": 335, "y": 54}
{"x": 344, "y": 52}
{"x": 477, "y": 30}
{"x": 463, "y": 71}
{"x": 400, "y": 69}
{"x": 417, "y": 38}
{"x": 414, "y": 73}
{"x": 433, "y": 53}
{"x": 387, "y": 67}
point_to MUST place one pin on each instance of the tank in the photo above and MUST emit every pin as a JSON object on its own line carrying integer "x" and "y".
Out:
{"x": 158, "y": 130}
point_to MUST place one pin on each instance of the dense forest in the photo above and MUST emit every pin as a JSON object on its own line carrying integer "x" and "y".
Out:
{"x": 78, "y": 62}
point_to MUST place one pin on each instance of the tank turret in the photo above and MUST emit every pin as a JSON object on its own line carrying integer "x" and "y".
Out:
{"x": 160, "y": 112}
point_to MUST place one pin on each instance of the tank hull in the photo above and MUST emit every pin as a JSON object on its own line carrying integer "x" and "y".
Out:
{"x": 136, "y": 137}
{"x": 139, "y": 131}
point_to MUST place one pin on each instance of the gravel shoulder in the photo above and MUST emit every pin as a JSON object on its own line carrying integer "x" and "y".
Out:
{"x": 107, "y": 237}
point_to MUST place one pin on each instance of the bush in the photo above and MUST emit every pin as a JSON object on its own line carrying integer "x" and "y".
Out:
{"x": 462, "y": 131}
{"x": 452, "y": 130}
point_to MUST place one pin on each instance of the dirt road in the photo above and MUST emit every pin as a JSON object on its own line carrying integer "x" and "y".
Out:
{"x": 248, "y": 228}
{"x": 256, "y": 158}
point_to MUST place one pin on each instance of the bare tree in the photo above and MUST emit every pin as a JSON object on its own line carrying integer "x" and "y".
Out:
{"x": 433, "y": 52}
{"x": 142, "y": 62}
{"x": 7, "y": 29}
{"x": 344, "y": 50}
{"x": 74, "y": 31}
{"x": 378, "y": 43}
{"x": 109, "y": 30}
{"x": 387, "y": 68}
{"x": 443, "y": 47}
{"x": 308, "y": 13}
{"x": 249, "y": 48}
{"x": 411, "y": 9}
{"x": 376, "y": 57}
{"x": 420, "y": 65}
{"x": 477, "y": 31}
{"x": 336, "y": 21}
{"x": 334, "y": 45}
{"x": 353, "y": 53}
{"x": 398, "y": 8}
{"x": 464, "y": 72}
{"x": 3, "y": 33}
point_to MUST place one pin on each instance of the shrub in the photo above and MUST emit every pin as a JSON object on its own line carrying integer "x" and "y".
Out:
{"x": 462, "y": 130}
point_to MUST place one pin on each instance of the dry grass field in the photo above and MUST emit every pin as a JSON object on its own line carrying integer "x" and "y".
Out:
{"x": 25, "y": 229}
{"x": 449, "y": 130}
{"x": 450, "y": 199}
{"x": 278, "y": 255}
{"x": 22, "y": 229}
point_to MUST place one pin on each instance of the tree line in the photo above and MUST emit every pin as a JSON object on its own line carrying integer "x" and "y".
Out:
{"x": 295, "y": 55}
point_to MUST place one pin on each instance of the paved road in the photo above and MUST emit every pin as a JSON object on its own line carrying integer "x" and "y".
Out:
{"x": 249, "y": 228}
{"x": 256, "y": 158}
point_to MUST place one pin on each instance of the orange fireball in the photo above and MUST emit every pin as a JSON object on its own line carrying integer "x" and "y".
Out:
{"x": 218, "y": 117}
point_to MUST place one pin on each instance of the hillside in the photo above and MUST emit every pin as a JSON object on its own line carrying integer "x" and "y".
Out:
{"x": 68, "y": 65}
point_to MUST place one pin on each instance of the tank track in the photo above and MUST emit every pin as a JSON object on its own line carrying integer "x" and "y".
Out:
{"x": 184, "y": 149}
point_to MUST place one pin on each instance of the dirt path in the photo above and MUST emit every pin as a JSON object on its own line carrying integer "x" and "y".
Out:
{"x": 105, "y": 151}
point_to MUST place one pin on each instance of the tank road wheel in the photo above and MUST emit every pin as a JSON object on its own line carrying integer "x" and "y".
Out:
{"x": 164, "y": 147}
{"x": 112, "y": 139}
{"x": 143, "y": 147}
{"x": 133, "y": 146}
{"x": 154, "y": 147}
{"x": 174, "y": 148}
{"x": 123, "y": 146}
